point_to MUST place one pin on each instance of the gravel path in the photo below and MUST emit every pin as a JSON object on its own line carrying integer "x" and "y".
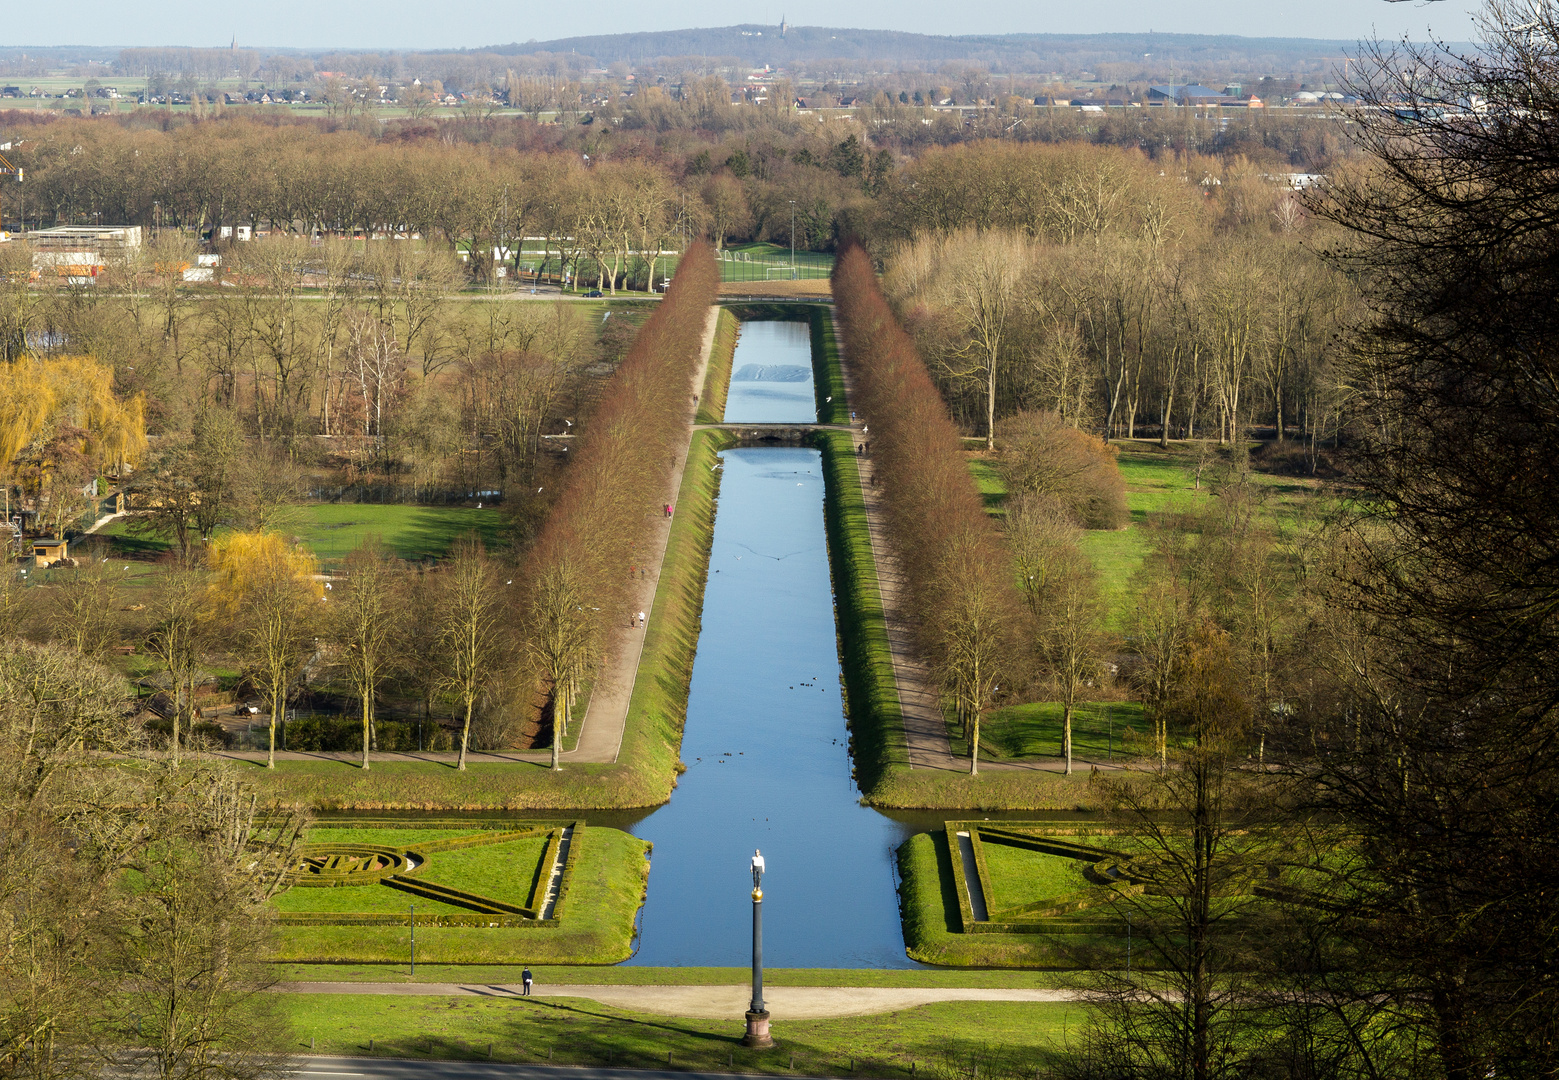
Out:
{"x": 706, "y": 1002}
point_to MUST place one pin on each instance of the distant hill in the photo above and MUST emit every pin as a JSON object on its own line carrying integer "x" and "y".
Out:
{"x": 757, "y": 45}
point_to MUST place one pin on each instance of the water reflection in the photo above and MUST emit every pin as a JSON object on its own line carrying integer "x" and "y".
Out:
{"x": 771, "y": 375}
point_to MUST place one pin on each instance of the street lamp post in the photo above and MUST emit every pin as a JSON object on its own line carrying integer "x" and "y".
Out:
{"x": 793, "y": 239}
{"x": 757, "y": 1014}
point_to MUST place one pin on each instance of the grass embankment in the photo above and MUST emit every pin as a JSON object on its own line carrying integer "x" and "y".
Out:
{"x": 645, "y": 769}
{"x": 950, "y": 1039}
{"x": 932, "y": 925}
{"x": 827, "y": 371}
{"x": 596, "y": 926}
{"x": 875, "y": 716}
{"x": 717, "y": 380}
{"x": 332, "y": 530}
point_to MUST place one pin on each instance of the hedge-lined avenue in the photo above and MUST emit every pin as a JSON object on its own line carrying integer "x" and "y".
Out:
{"x": 957, "y": 572}
{"x": 579, "y": 570}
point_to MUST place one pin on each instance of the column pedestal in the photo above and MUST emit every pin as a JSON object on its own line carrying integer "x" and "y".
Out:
{"x": 757, "y": 1030}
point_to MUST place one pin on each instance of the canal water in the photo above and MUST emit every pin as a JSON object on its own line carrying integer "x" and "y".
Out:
{"x": 767, "y": 755}
{"x": 765, "y": 743}
{"x": 771, "y": 375}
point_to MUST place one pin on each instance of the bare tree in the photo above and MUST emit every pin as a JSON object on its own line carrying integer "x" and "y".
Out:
{"x": 468, "y": 629}
{"x": 365, "y": 618}
{"x": 180, "y": 613}
{"x": 977, "y": 279}
{"x": 1061, "y": 590}
{"x": 1185, "y": 1007}
{"x": 561, "y": 638}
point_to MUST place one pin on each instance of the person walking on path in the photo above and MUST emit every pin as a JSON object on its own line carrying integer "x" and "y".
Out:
{"x": 525, "y": 977}
{"x": 641, "y": 619}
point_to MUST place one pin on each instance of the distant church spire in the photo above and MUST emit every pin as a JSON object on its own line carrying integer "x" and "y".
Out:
{"x": 784, "y": 26}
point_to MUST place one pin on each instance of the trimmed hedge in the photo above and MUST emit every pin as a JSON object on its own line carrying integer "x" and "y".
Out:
{"x": 407, "y": 880}
{"x": 617, "y": 483}
{"x": 457, "y": 897}
{"x": 1035, "y": 918}
{"x": 567, "y": 879}
{"x": 957, "y": 572}
{"x": 310, "y": 880}
{"x": 432, "y": 847}
{"x": 543, "y": 875}
{"x": 321, "y": 918}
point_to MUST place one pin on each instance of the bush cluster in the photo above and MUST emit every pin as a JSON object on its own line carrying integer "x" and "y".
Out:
{"x": 1043, "y": 454}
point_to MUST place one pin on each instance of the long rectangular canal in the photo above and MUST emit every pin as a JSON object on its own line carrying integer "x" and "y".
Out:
{"x": 765, "y": 743}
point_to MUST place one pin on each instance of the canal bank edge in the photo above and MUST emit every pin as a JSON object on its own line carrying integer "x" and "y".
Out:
{"x": 717, "y": 380}
{"x": 833, "y": 406}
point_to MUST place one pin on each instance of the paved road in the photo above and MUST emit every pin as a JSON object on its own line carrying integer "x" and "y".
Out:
{"x": 360, "y": 1068}
{"x": 708, "y": 1002}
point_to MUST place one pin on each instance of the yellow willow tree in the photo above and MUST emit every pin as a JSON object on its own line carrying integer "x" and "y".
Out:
{"x": 267, "y": 586}
{"x": 63, "y": 413}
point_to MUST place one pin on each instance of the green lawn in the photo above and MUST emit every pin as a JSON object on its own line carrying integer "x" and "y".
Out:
{"x": 1100, "y": 729}
{"x": 597, "y": 920}
{"x": 996, "y": 1039}
{"x": 1156, "y": 481}
{"x": 359, "y": 899}
{"x": 932, "y": 926}
{"x": 992, "y": 487}
{"x": 1019, "y": 876}
{"x": 505, "y": 871}
{"x": 333, "y": 530}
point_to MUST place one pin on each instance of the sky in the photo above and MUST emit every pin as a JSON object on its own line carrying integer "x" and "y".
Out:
{"x": 446, "y": 24}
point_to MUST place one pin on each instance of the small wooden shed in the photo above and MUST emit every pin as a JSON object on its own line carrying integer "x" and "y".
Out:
{"x": 47, "y": 550}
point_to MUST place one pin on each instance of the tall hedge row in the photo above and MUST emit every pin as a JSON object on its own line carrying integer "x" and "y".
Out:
{"x": 957, "y": 571}
{"x": 620, "y": 478}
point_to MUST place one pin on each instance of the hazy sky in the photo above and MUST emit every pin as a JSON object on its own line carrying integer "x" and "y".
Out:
{"x": 440, "y": 24}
